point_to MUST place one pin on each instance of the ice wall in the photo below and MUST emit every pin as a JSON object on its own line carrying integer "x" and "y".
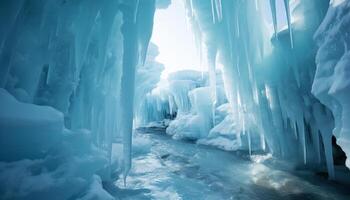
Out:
{"x": 66, "y": 55}
{"x": 331, "y": 84}
{"x": 268, "y": 77}
{"x": 78, "y": 57}
{"x": 148, "y": 76}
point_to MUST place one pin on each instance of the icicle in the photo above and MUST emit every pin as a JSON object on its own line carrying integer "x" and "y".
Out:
{"x": 249, "y": 143}
{"x": 301, "y": 127}
{"x": 201, "y": 61}
{"x": 127, "y": 89}
{"x": 286, "y": 6}
{"x": 327, "y": 143}
{"x": 295, "y": 130}
{"x": 211, "y": 59}
{"x": 262, "y": 141}
{"x": 213, "y": 11}
{"x": 237, "y": 65}
{"x": 296, "y": 75}
{"x": 250, "y": 73}
{"x": 124, "y": 180}
{"x": 237, "y": 24}
{"x": 274, "y": 15}
{"x": 136, "y": 10}
{"x": 218, "y": 7}
{"x": 316, "y": 141}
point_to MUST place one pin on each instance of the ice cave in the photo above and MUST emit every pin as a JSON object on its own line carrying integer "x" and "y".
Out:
{"x": 175, "y": 99}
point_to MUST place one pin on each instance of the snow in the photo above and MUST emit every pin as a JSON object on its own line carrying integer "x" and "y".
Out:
{"x": 41, "y": 159}
{"x": 27, "y": 130}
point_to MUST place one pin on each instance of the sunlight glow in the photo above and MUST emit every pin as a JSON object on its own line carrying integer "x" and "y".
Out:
{"x": 173, "y": 35}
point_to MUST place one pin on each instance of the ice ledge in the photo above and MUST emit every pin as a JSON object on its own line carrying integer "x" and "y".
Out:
{"x": 27, "y": 130}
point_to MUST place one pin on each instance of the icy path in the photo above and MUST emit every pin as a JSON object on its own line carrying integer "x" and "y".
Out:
{"x": 168, "y": 169}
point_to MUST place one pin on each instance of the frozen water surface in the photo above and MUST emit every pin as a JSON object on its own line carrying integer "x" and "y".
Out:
{"x": 178, "y": 169}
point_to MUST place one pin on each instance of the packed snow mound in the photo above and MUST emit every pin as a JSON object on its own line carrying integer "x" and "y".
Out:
{"x": 59, "y": 176}
{"x": 196, "y": 123}
{"x": 332, "y": 83}
{"x": 185, "y": 126}
{"x": 27, "y": 130}
{"x": 226, "y": 127}
{"x": 40, "y": 159}
{"x": 224, "y": 135}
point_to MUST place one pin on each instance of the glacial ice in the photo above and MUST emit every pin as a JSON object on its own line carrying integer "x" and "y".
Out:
{"x": 76, "y": 78}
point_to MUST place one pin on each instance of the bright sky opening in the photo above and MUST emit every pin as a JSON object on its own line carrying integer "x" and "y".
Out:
{"x": 174, "y": 37}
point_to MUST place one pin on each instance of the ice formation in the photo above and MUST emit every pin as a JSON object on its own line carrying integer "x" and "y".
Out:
{"x": 77, "y": 60}
{"x": 77, "y": 76}
{"x": 268, "y": 80}
{"x": 332, "y": 80}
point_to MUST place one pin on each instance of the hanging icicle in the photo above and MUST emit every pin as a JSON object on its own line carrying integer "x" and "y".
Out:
{"x": 287, "y": 10}
{"x": 274, "y": 15}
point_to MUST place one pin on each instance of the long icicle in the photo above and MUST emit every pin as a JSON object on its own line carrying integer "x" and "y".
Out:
{"x": 218, "y": 7}
{"x": 287, "y": 8}
{"x": 213, "y": 11}
{"x": 274, "y": 15}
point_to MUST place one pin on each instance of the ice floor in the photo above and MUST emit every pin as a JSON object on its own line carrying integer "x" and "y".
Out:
{"x": 169, "y": 169}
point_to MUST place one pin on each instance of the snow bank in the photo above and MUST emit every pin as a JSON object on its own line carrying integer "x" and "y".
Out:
{"x": 62, "y": 176}
{"x": 224, "y": 135}
{"x": 40, "y": 159}
{"x": 198, "y": 121}
{"x": 27, "y": 130}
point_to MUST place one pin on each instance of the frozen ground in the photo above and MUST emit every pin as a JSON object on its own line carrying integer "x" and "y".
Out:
{"x": 170, "y": 169}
